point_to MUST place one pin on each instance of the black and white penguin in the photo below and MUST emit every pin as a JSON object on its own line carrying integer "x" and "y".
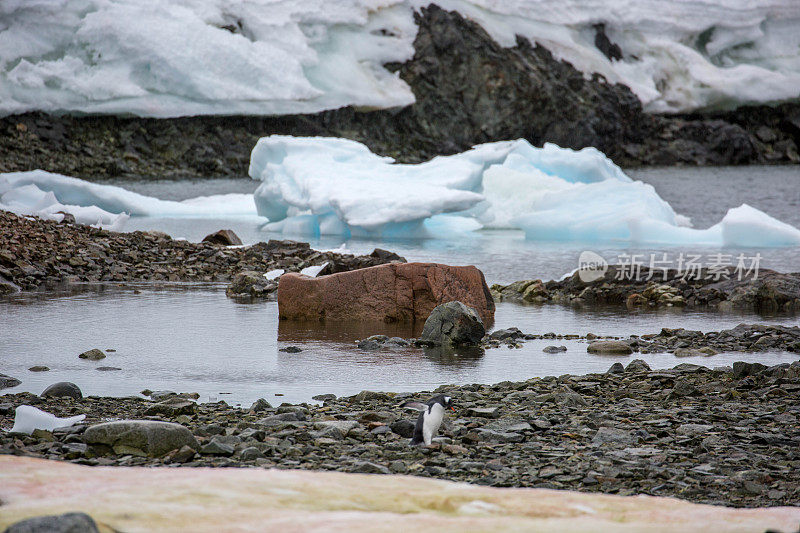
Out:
{"x": 430, "y": 418}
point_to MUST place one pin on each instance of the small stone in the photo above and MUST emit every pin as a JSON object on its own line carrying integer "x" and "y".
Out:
{"x": 183, "y": 455}
{"x": 554, "y": 349}
{"x": 290, "y": 349}
{"x": 107, "y": 368}
{"x": 63, "y": 388}
{"x": 224, "y": 237}
{"x": 251, "y": 453}
{"x": 616, "y": 368}
{"x": 404, "y": 428}
{"x": 366, "y": 467}
{"x": 324, "y": 397}
{"x": 484, "y": 412}
{"x": 610, "y": 347}
{"x": 260, "y": 405}
{"x": 637, "y": 365}
{"x": 92, "y": 355}
{"x": 216, "y": 447}
{"x": 39, "y": 368}
{"x": 607, "y": 435}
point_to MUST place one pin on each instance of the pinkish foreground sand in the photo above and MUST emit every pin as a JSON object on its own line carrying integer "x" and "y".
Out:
{"x": 230, "y": 499}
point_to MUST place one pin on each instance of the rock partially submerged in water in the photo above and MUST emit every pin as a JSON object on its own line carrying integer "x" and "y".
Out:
{"x": 6, "y": 382}
{"x": 395, "y": 292}
{"x": 251, "y": 284}
{"x": 453, "y": 324}
{"x": 610, "y": 347}
{"x": 63, "y": 388}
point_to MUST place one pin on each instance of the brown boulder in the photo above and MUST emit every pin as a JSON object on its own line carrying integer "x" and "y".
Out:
{"x": 224, "y": 237}
{"x": 396, "y": 292}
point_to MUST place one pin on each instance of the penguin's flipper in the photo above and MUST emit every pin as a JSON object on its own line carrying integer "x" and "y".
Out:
{"x": 415, "y": 405}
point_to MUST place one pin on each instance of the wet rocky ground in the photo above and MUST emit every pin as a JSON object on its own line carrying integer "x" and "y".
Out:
{"x": 722, "y": 436}
{"x": 35, "y": 253}
{"x": 468, "y": 90}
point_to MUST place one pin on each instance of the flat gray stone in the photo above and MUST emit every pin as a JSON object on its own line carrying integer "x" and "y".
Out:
{"x": 141, "y": 437}
{"x": 93, "y": 355}
{"x": 610, "y": 347}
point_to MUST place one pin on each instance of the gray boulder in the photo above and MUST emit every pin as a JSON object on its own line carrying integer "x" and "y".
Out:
{"x": 453, "y": 324}
{"x": 6, "y": 382}
{"x": 224, "y": 237}
{"x": 63, "y": 388}
{"x": 141, "y": 437}
{"x": 62, "y": 523}
{"x": 610, "y": 347}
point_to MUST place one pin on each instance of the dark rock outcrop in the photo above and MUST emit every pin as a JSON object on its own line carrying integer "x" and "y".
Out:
{"x": 468, "y": 90}
{"x": 63, "y": 523}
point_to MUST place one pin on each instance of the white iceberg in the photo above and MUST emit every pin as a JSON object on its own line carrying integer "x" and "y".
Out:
{"x": 263, "y": 57}
{"x": 46, "y": 194}
{"x": 317, "y": 186}
{"x": 28, "y": 418}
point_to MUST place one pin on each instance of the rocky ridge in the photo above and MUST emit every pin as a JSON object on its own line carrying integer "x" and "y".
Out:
{"x": 35, "y": 253}
{"x": 468, "y": 90}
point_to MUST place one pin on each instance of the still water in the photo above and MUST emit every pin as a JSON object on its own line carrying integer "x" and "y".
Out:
{"x": 195, "y": 339}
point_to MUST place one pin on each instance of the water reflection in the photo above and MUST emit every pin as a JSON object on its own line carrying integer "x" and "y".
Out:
{"x": 463, "y": 357}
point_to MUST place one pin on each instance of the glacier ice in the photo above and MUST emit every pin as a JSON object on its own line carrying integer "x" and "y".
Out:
{"x": 190, "y": 57}
{"x": 28, "y": 418}
{"x": 46, "y": 194}
{"x": 323, "y": 186}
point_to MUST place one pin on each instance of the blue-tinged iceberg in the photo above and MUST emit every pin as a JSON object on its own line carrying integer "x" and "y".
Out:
{"x": 322, "y": 186}
{"x": 189, "y": 57}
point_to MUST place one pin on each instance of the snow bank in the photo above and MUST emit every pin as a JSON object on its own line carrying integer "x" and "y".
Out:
{"x": 28, "y": 418}
{"x": 46, "y": 195}
{"x": 189, "y": 57}
{"x": 317, "y": 186}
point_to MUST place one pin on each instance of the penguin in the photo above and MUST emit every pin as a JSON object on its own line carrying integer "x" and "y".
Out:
{"x": 430, "y": 418}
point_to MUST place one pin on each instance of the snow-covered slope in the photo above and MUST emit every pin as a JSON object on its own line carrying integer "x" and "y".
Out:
{"x": 187, "y": 57}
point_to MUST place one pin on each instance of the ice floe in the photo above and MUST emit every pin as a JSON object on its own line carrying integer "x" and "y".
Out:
{"x": 190, "y": 57}
{"x": 317, "y": 186}
{"x": 47, "y": 195}
{"x": 313, "y": 186}
{"x": 28, "y": 418}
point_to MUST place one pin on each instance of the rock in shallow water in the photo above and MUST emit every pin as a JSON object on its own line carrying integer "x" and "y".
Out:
{"x": 93, "y": 355}
{"x": 610, "y": 347}
{"x": 63, "y": 388}
{"x": 453, "y": 324}
{"x": 395, "y": 292}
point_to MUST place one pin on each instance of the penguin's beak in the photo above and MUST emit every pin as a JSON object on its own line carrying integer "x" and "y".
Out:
{"x": 452, "y": 408}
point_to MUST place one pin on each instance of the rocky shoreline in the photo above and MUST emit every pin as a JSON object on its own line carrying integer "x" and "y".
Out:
{"x": 722, "y": 436}
{"x": 763, "y": 291}
{"x": 37, "y": 254}
{"x": 468, "y": 90}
